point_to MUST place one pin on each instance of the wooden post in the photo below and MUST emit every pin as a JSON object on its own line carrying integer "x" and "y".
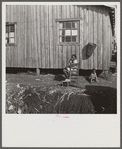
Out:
{"x": 37, "y": 71}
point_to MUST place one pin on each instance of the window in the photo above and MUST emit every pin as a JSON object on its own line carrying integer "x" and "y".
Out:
{"x": 10, "y": 33}
{"x": 68, "y": 32}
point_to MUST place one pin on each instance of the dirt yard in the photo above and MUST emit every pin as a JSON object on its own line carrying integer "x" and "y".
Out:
{"x": 29, "y": 93}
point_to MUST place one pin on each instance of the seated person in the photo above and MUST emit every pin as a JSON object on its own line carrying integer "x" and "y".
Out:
{"x": 72, "y": 62}
{"x": 93, "y": 76}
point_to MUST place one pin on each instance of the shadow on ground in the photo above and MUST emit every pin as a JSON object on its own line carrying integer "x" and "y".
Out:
{"x": 103, "y": 98}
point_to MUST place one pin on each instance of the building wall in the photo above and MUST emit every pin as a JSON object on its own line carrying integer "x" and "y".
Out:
{"x": 37, "y": 43}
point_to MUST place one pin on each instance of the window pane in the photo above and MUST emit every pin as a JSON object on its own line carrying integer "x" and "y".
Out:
{"x": 68, "y": 38}
{"x": 67, "y": 32}
{"x": 74, "y": 24}
{"x": 74, "y": 32}
{"x": 62, "y": 32}
{"x": 68, "y": 25}
{"x": 62, "y": 39}
{"x": 11, "y": 28}
{"x": 11, "y": 40}
{"x": 73, "y": 38}
{"x": 7, "y": 29}
{"x": 11, "y": 34}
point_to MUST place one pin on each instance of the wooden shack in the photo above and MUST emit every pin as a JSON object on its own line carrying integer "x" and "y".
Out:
{"x": 45, "y": 36}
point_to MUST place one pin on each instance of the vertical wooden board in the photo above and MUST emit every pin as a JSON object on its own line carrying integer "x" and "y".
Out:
{"x": 60, "y": 52}
{"x": 42, "y": 36}
{"x": 38, "y": 36}
{"x": 60, "y": 57}
{"x": 26, "y": 14}
{"x": 104, "y": 37}
{"x": 22, "y": 34}
{"x": 64, "y": 11}
{"x": 73, "y": 49}
{"x": 18, "y": 36}
{"x": 56, "y": 54}
{"x": 110, "y": 41}
{"x": 60, "y": 12}
{"x": 57, "y": 36}
{"x": 64, "y": 16}
{"x": 47, "y": 35}
{"x": 7, "y": 13}
{"x": 87, "y": 35}
{"x": 57, "y": 45}
{"x": 7, "y": 56}
{"x": 64, "y": 56}
{"x": 11, "y": 13}
{"x": 108, "y": 28}
{"x": 91, "y": 33}
{"x": 76, "y": 12}
{"x": 95, "y": 37}
{"x": 81, "y": 36}
{"x": 99, "y": 38}
{"x": 69, "y": 49}
{"x": 35, "y": 58}
{"x": 84, "y": 37}
{"x": 72, "y": 11}
{"x": 28, "y": 35}
{"x": 15, "y": 47}
{"x": 78, "y": 53}
{"x": 8, "y": 48}
{"x": 68, "y": 11}
{"x": 54, "y": 36}
{"x": 51, "y": 36}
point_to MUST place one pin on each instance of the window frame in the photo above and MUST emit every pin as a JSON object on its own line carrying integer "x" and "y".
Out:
{"x": 78, "y": 31}
{"x": 9, "y": 24}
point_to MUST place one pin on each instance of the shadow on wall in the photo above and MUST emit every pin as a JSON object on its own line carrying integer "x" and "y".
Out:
{"x": 88, "y": 50}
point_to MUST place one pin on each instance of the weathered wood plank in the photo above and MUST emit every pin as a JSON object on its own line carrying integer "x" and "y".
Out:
{"x": 84, "y": 37}
{"x": 87, "y": 34}
{"x": 15, "y": 47}
{"x": 99, "y": 39}
{"x": 60, "y": 52}
{"x": 104, "y": 37}
{"x": 22, "y": 33}
{"x": 35, "y": 37}
{"x": 57, "y": 36}
{"x": 68, "y": 11}
{"x": 108, "y": 28}
{"x": 76, "y": 12}
{"x": 38, "y": 36}
{"x": 69, "y": 49}
{"x": 18, "y": 36}
{"x": 81, "y": 36}
{"x": 72, "y": 11}
{"x": 91, "y": 34}
{"x": 64, "y": 56}
{"x": 51, "y": 36}
{"x": 54, "y": 35}
{"x": 42, "y": 36}
{"x": 95, "y": 37}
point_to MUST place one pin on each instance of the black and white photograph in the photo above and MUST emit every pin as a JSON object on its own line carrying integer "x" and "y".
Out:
{"x": 60, "y": 59}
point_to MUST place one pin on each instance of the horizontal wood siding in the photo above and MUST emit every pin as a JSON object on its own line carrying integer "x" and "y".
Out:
{"x": 37, "y": 36}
